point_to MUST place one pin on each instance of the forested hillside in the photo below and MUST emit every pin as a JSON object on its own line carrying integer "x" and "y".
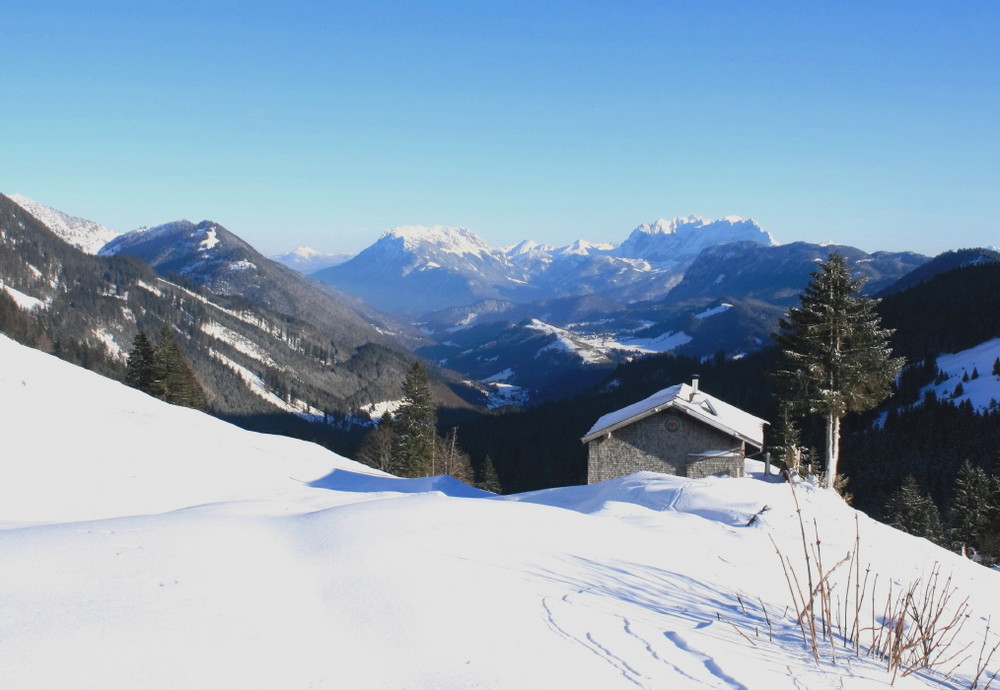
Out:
{"x": 262, "y": 369}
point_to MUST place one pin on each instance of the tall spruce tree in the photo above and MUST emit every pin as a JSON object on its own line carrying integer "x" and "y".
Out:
{"x": 415, "y": 432}
{"x": 487, "y": 477}
{"x": 913, "y": 511}
{"x": 837, "y": 357}
{"x": 175, "y": 381}
{"x": 971, "y": 506}
{"x": 140, "y": 371}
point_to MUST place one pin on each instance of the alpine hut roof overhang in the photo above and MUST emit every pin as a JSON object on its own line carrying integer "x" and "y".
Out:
{"x": 689, "y": 400}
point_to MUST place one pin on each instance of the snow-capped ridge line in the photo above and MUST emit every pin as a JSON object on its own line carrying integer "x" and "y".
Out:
{"x": 85, "y": 235}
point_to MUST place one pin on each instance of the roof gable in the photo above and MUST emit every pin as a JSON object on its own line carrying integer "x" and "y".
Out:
{"x": 691, "y": 401}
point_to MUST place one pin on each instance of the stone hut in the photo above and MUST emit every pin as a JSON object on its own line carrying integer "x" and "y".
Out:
{"x": 680, "y": 430}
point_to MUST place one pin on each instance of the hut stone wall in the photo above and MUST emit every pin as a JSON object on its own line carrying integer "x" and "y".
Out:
{"x": 663, "y": 442}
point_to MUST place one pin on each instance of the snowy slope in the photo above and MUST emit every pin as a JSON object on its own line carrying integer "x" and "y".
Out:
{"x": 146, "y": 546}
{"x": 970, "y": 372}
{"x": 83, "y": 234}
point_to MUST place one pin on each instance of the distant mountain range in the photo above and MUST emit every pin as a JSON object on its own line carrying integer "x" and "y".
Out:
{"x": 417, "y": 269}
{"x": 533, "y": 321}
{"x": 523, "y": 323}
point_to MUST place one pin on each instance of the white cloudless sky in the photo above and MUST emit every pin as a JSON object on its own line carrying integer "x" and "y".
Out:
{"x": 325, "y": 123}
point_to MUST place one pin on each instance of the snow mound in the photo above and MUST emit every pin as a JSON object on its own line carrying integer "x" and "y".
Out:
{"x": 92, "y": 448}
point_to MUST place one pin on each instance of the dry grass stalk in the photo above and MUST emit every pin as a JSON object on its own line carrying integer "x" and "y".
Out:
{"x": 919, "y": 625}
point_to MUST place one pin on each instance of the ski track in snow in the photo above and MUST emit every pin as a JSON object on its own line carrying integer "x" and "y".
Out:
{"x": 616, "y": 640}
{"x": 710, "y": 664}
{"x": 586, "y": 639}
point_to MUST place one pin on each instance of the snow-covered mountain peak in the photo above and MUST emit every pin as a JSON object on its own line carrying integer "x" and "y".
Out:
{"x": 145, "y": 234}
{"x": 669, "y": 227}
{"x": 691, "y": 223}
{"x": 527, "y": 247}
{"x": 445, "y": 239}
{"x": 183, "y": 225}
{"x": 683, "y": 238}
{"x": 305, "y": 253}
{"x": 584, "y": 248}
{"x": 85, "y": 235}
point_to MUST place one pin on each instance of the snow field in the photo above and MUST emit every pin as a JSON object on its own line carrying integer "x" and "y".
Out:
{"x": 149, "y": 546}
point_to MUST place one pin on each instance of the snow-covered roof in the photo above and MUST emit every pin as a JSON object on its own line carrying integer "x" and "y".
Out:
{"x": 691, "y": 401}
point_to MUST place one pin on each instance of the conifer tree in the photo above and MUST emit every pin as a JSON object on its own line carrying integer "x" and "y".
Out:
{"x": 971, "y": 506}
{"x": 837, "y": 355}
{"x": 140, "y": 371}
{"x": 787, "y": 441}
{"x": 175, "y": 381}
{"x": 413, "y": 451}
{"x": 489, "y": 480}
{"x": 914, "y": 512}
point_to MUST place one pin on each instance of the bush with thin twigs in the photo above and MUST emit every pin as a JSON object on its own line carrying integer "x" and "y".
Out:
{"x": 910, "y": 628}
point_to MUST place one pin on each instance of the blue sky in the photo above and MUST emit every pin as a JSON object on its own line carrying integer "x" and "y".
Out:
{"x": 875, "y": 124}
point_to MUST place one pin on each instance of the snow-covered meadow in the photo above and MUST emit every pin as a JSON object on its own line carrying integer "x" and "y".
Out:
{"x": 149, "y": 546}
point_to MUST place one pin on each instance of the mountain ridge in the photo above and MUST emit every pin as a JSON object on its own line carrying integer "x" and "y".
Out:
{"x": 85, "y": 235}
{"x": 404, "y": 269}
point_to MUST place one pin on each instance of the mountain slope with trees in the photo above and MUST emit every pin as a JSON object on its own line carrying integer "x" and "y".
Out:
{"x": 263, "y": 369}
{"x": 209, "y": 255}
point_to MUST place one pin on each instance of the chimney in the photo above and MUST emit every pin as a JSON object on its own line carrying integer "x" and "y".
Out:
{"x": 694, "y": 386}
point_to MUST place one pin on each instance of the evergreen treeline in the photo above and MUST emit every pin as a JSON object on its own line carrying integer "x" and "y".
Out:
{"x": 950, "y": 312}
{"x": 163, "y": 371}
